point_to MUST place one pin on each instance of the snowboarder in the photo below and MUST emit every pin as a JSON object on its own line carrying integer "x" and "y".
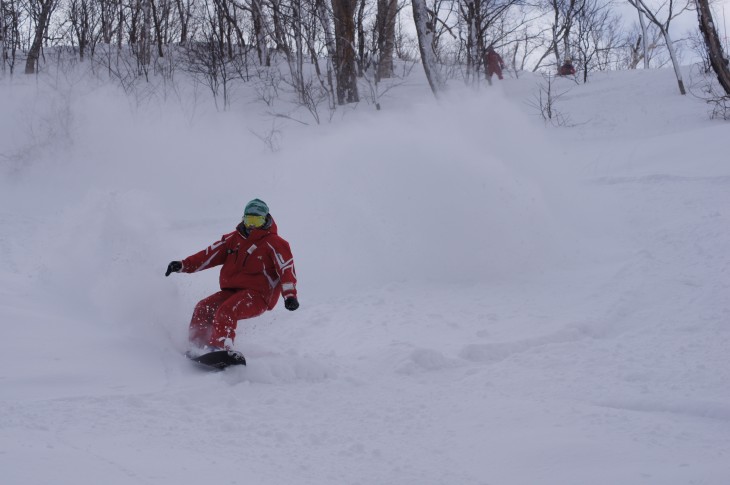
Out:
{"x": 567, "y": 68}
{"x": 493, "y": 64}
{"x": 257, "y": 267}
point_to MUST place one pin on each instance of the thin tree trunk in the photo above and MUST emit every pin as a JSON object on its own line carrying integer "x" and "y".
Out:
{"x": 157, "y": 22}
{"x": 555, "y": 35}
{"x": 644, "y": 40}
{"x": 145, "y": 44}
{"x": 567, "y": 54}
{"x": 82, "y": 28}
{"x": 14, "y": 31}
{"x": 105, "y": 17}
{"x": 120, "y": 25}
{"x": 675, "y": 62}
{"x": 2, "y": 36}
{"x": 361, "y": 38}
{"x": 329, "y": 42}
{"x": 259, "y": 28}
{"x": 297, "y": 20}
{"x": 279, "y": 30}
{"x": 183, "y": 12}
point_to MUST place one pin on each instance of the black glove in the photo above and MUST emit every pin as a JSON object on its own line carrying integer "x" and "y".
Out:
{"x": 173, "y": 267}
{"x": 291, "y": 303}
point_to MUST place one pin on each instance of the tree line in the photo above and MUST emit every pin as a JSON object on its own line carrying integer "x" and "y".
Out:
{"x": 340, "y": 41}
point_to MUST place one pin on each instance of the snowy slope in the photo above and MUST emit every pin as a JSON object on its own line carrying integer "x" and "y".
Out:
{"x": 485, "y": 300}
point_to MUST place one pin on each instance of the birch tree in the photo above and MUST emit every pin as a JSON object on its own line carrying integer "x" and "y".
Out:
{"x": 671, "y": 9}
{"x": 642, "y": 45}
{"x": 424, "y": 32}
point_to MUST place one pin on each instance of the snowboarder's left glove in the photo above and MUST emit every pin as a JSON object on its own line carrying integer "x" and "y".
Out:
{"x": 291, "y": 303}
{"x": 173, "y": 267}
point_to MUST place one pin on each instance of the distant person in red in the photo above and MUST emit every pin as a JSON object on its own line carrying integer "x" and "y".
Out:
{"x": 257, "y": 267}
{"x": 493, "y": 64}
{"x": 567, "y": 68}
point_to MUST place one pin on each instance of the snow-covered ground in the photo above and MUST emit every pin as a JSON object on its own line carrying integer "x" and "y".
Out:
{"x": 484, "y": 300}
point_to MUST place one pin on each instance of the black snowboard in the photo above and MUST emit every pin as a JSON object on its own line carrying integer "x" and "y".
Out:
{"x": 220, "y": 359}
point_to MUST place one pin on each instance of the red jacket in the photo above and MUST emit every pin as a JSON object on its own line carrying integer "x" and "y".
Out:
{"x": 260, "y": 261}
{"x": 566, "y": 70}
{"x": 493, "y": 60}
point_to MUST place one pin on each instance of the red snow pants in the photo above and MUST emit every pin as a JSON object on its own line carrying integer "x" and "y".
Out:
{"x": 215, "y": 318}
{"x": 494, "y": 69}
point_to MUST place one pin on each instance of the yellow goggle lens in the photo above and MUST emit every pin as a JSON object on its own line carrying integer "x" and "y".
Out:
{"x": 250, "y": 220}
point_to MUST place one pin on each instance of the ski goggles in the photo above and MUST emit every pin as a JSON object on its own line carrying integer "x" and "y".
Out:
{"x": 250, "y": 220}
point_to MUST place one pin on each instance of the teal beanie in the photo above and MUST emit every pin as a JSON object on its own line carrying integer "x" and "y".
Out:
{"x": 257, "y": 207}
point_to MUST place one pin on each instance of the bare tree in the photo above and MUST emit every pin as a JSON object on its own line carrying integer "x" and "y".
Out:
{"x": 217, "y": 57}
{"x": 260, "y": 23}
{"x": 487, "y": 22}
{"x": 546, "y": 100}
{"x": 364, "y": 57}
{"x": 298, "y": 69}
{"x": 83, "y": 15}
{"x": 11, "y": 19}
{"x": 563, "y": 14}
{"x": 122, "y": 18}
{"x": 41, "y": 15}
{"x": 444, "y": 16}
{"x": 425, "y": 32}
{"x": 107, "y": 17}
{"x": 385, "y": 37}
{"x": 329, "y": 43}
{"x": 527, "y": 42}
{"x": 596, "y": 36}
{"x": 644, "y": 38}
{"x": 145, "y": 46}
{"x": 162, "y": 23}
{"x": 641, "y": 44}
{"x": 672, "y": 10}
{"x": 345, "y": 64}
{"x": 717, "y": 58}
{"x": 3, "y": 35}
{"x": 184, "y": 10}
{"x": 406, "y": 43}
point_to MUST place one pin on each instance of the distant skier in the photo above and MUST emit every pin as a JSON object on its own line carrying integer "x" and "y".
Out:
{"x": 493, "y": 64}
{"x": 567, "y": 68}
{"x": 257, "y": 267}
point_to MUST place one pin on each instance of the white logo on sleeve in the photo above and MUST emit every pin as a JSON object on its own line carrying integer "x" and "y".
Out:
{"x": 280, "y": 262}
